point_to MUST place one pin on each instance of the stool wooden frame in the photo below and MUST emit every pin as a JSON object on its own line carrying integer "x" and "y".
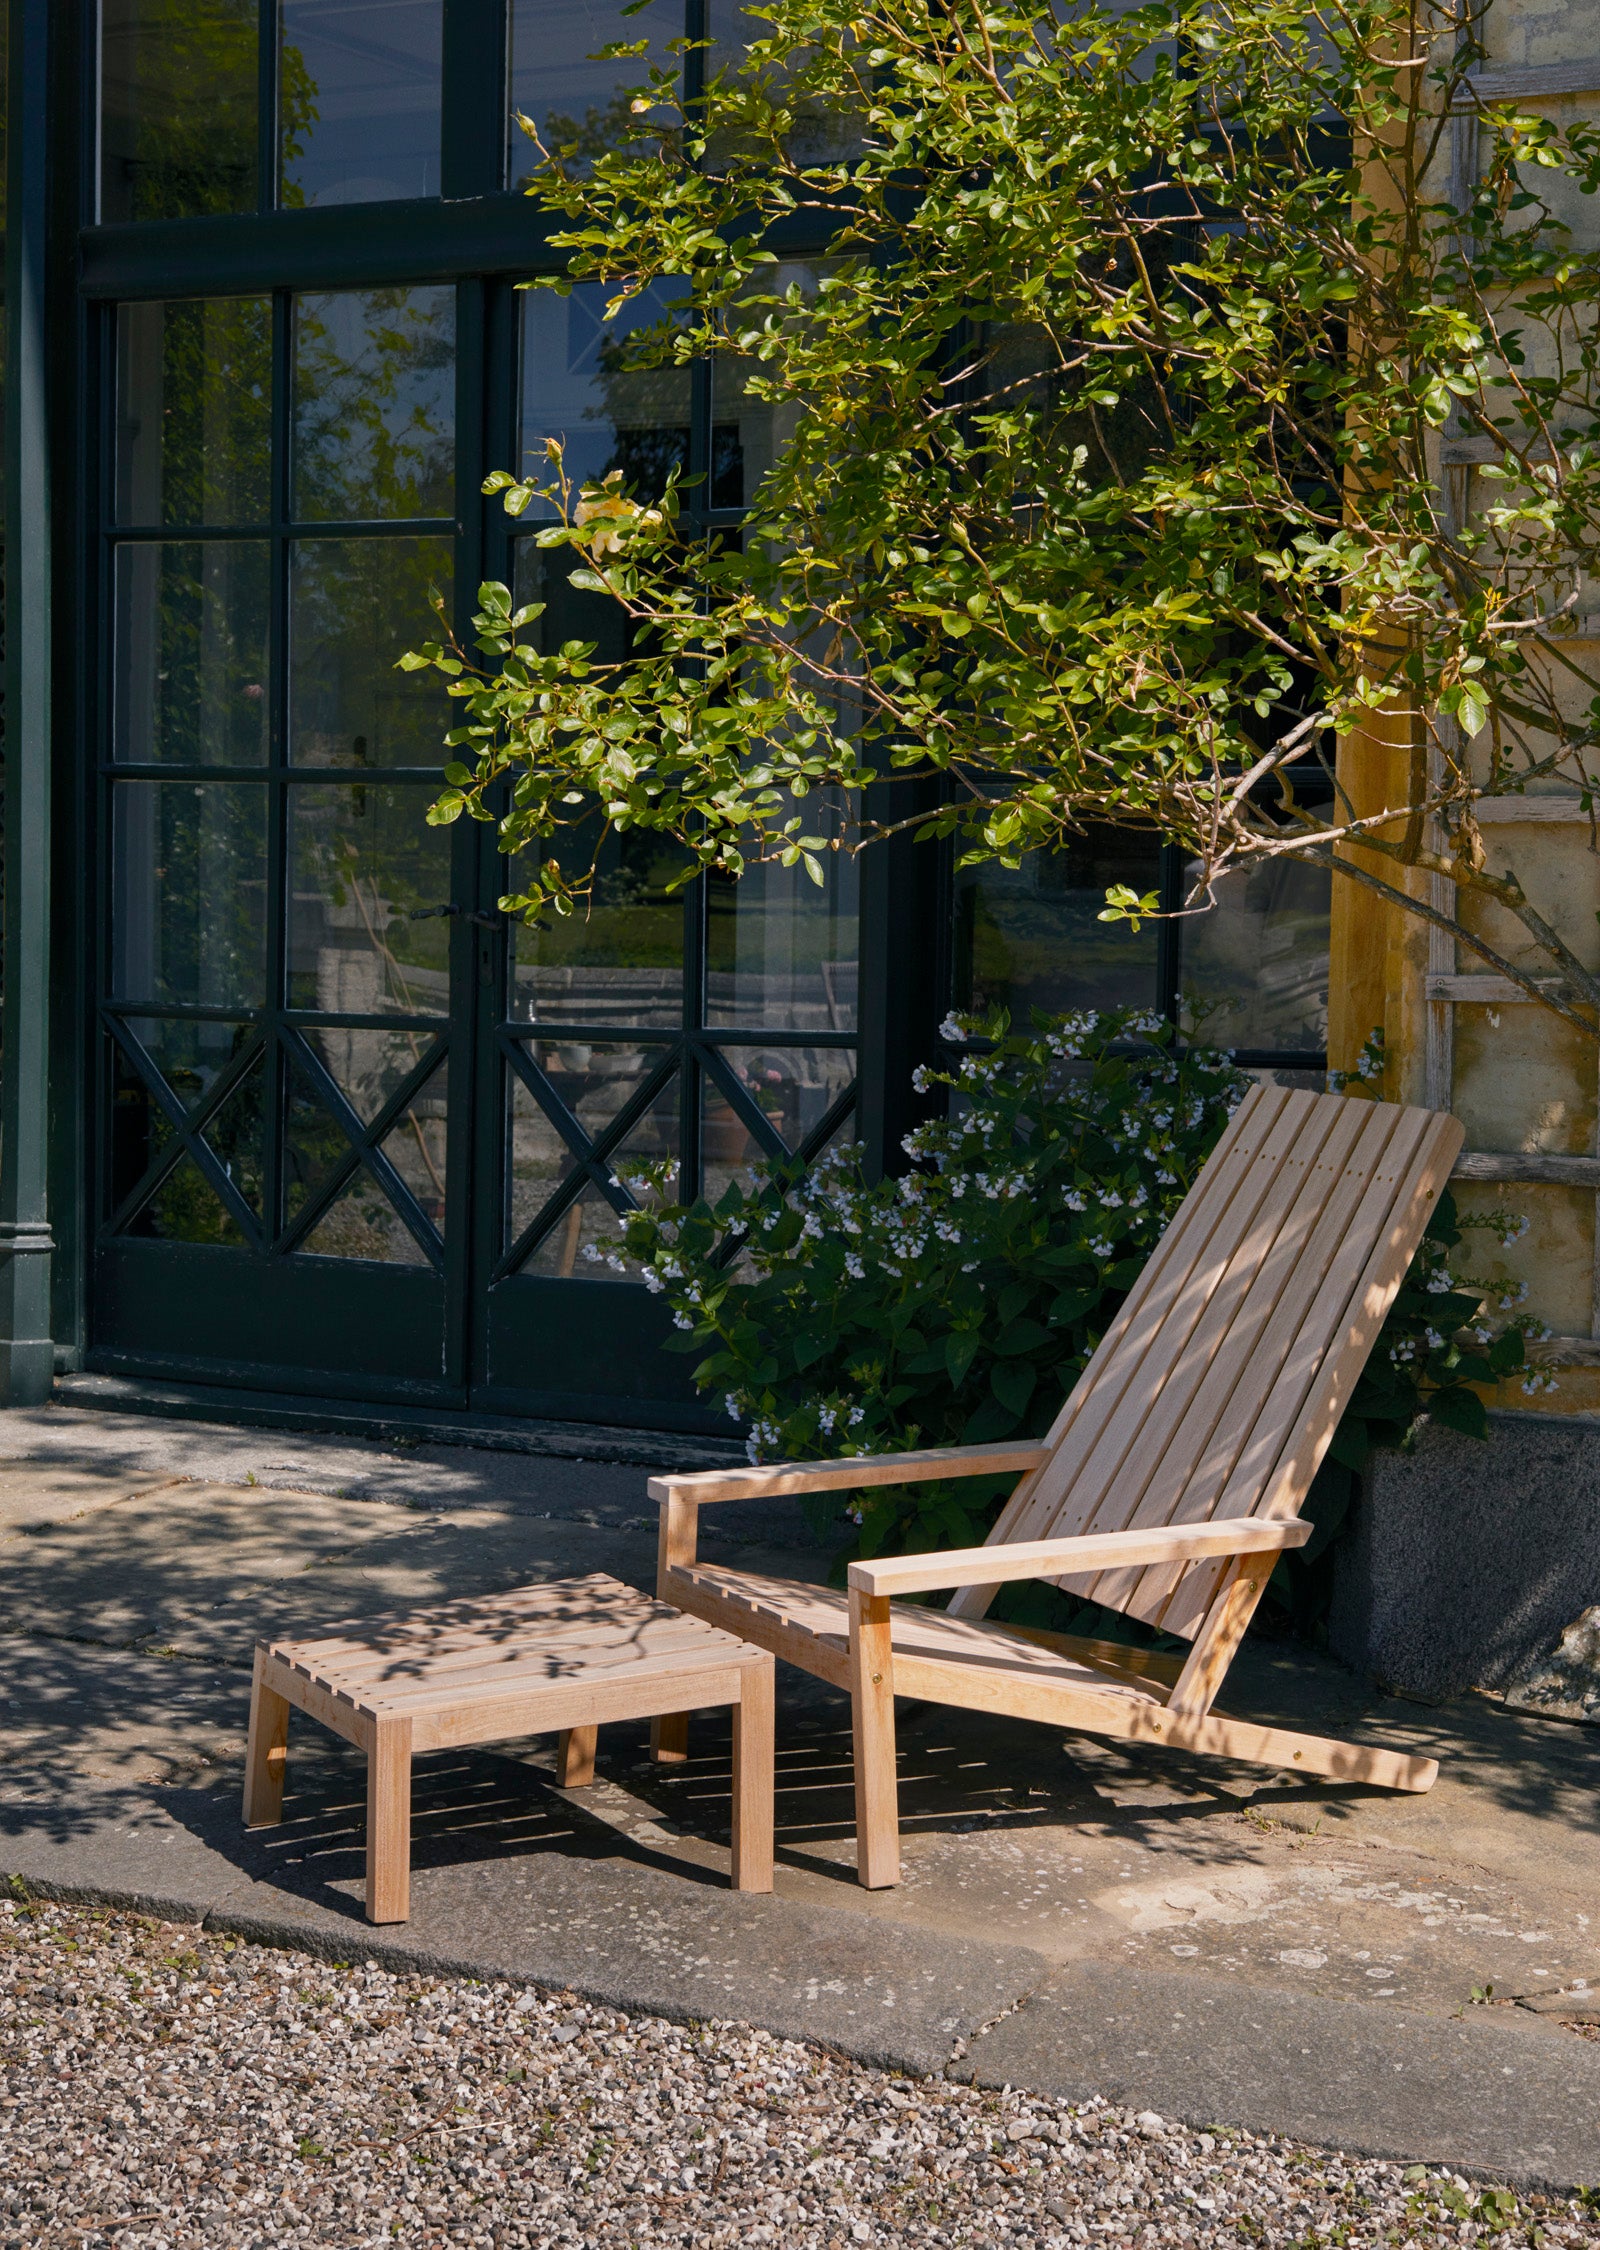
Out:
{"x": 563, "y": 1658}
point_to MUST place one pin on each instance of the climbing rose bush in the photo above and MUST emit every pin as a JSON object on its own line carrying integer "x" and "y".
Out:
{"x": 959, "y": 1303}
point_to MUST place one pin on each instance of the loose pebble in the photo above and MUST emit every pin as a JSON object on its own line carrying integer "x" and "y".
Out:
{"x": 167, "y": 2087}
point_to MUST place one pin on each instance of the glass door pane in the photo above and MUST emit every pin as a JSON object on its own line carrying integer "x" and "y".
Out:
{"x": 358, "y": 100}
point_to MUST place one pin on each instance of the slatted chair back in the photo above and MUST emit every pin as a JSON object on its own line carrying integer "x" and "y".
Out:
{"x": 1217, "y": 1388}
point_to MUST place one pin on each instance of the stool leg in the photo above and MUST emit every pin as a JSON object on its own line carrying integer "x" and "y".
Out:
{"x": 575, "y": 1757}
{"x": 267, "y": 1753}
{"x": 669, "y": 1738}
{"x": 753, "y": 1779}
{"x": 389, "y": 1821}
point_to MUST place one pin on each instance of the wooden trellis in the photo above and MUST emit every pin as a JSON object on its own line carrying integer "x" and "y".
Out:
{"x": 1445, "y": 987}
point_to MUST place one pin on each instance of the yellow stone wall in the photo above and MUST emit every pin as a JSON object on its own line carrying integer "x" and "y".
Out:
{"x": 1521, "y": 1080}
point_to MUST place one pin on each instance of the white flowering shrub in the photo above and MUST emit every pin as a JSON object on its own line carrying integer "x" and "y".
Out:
{"x": 959, "y": 1303}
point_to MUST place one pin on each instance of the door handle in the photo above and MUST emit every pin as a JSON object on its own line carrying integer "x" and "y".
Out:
{"x": 437, "y": 913}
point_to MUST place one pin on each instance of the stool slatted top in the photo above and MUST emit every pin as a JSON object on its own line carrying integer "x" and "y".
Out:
{"x": 563, "y": 1658}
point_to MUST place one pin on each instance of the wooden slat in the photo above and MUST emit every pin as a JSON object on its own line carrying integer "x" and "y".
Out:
{"x": 1103, "y": 1411}
{"x": 753, "y": 1748}
{"x": 872, "y": 1670}
{"x": 1041, "y": 1558}
{"x": 1274, "y": 1472}
{"x": 529, "y": 1686}
{"x": 768, "y": 1481}
{"x": 785, "y": 1619}
{"x": 1282, "y": 1280}
{"x": 1129, "y": 1717}
{"x": 809, "y": 1626}
{"x": 579, "y": 1603}
{"x": 456, "y": 1726}
{"x": 1487, "y": 991}
{"x": 1179, "y": 1465}
{"x": 1033, "y": 1506}
{"x": 1563, "y": 809}
{"x": 544, "y": 1655}
{"x": 1529, "y": 1168}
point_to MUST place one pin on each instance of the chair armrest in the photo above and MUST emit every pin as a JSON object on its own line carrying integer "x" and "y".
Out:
{"x": 844, "y": 1475}
{"x": 1055, "y": 1558}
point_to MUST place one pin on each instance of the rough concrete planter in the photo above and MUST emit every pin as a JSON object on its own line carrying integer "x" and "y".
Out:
{"x": 1464, "y": 1561}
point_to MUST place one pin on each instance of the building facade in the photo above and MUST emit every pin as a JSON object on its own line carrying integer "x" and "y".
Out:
{"x": 289, "y": 1104}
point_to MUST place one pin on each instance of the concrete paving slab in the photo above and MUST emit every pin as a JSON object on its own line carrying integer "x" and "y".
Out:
{"x": 127, "y": 1616}
{"x": 1488, "y": 2094}
{"x": 565, "y": 1904}
{"x": 206, "y": 1569}
{"x": 109, "y": 1716}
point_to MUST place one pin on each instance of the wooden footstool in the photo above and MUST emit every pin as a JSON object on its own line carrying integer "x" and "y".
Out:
{"x": 564, "y": 1657}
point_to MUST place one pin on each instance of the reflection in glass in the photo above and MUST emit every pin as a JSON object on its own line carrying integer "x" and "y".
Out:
{"x": 362, "y": 1222}
{"x": 188, "y": 892}
{"x": 819, "y": 132}
{"x": 579, "y": 105}
{"x": 179, "y": 81}
{"x": 618, "y": 961}
{"x": 362, "y": 862}
{"x": 194, "y": 412}
{"x": 746, "y": 431}
{"x": 1255, "y": 966}
{"x": 187, "y": 1208}
{"x": 1029, "y": 938}
{"x": 358, "y": 100}
{"x": 793, "y": 1087}
{"x": 190, "y": 1057}
{"x": 374, "y": 404}
{"x": 607, "y": 416}
{"x": 353, "y": 604}
{"x": 368, "y": 1067}
{"x": 191, "y": 653}
{"x": 595, "y": 1081}
{"x": 781, "y": 952}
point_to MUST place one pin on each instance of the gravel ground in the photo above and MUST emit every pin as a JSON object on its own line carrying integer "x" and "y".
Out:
{"x": 166, "y": 2086}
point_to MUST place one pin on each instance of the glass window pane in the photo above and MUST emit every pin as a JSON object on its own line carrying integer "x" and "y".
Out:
{"x": 179, "y": 84}
{"x": 358, "y": 98}
{"x": 780, "y": 952}
{"x": 354, "y": 605}
{"x": 189, "y": 888}
{"x": 194, "y": 412}
{"x": 374, "y": 404}
{"x": 190, "y": 1057}
{"x": 793, "y": 1087}
{"x": 579, "y": 105}
{"x": 1255, "y": 966}
{"x": 191, "y": 647}
{"x": 1029, "y": 938}
{"x": 618, "y": 962}
{"x": 595, "y": 1081}
{"x": 607, "y": 417}
{"x": 747, "y": 431}
{"x": 362, "y": 861}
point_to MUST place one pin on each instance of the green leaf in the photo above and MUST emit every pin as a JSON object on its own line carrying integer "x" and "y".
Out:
{"x": 1459, "y": 1409}
{"x": 1013, "y": 1383}
{"x": 960, "y": 1351}
{"x": 1022, "y": 1336}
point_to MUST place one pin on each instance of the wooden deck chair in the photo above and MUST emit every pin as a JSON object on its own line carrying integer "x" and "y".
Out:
{"x": 1166, "y": 1488}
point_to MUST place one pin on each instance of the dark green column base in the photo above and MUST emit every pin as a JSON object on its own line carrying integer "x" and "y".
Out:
{"x": 27, "y": 1371}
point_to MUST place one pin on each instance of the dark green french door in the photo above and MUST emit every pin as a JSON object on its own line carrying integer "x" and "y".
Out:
{"x": 359, "y": 1133}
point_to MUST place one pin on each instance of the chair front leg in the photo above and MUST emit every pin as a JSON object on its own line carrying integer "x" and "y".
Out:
{"x": 675, "y": 1550}
{"x": 872, "y": 1730}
